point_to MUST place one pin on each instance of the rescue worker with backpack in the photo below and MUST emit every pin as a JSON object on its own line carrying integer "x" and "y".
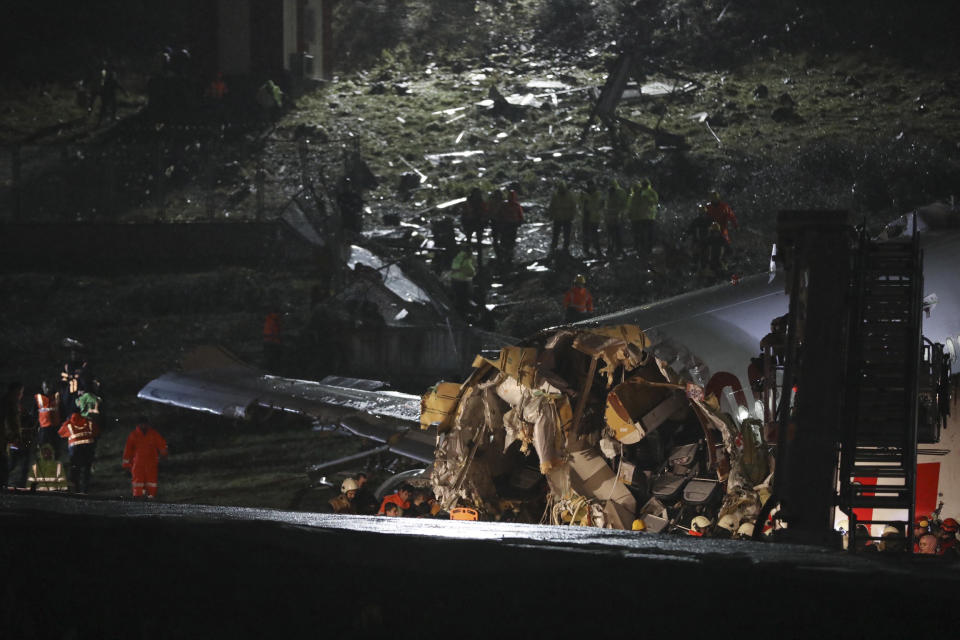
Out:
{"x": 642, "y": 211}
{"x": 577, "y": 301}
{"x": 141, "y": 456}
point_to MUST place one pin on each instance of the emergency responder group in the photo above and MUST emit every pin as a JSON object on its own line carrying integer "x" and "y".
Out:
{"x": 600, "y": 208}
{"x": 36, "y": 426}
{"x": 407, "y": 501}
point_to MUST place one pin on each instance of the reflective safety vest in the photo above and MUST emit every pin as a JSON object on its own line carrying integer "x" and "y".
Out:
{"x": 643, "y": 204}
{"x": 89, "y": 404}
{"x": 463, "y": 268}
{"x": 48, "y": 475}
{"x": 79, "y": 430}
{"x": 592, "y": 206}
{"x": 563, "y": 206}
{"x": 578, "y": 298}
{"x": 46, "y": 410}
{"x": 616, "y": 203}
{"x": 271, "y": 328}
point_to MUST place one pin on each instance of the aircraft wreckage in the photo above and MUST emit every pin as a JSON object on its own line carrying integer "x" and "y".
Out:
{"x": 572, "y": 426}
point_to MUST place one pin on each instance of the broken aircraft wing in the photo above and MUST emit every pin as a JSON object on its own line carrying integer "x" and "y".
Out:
{"x": 234, "y": 390}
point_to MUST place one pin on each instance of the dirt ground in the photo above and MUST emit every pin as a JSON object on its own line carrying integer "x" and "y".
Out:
{"x": 860, "y": 130}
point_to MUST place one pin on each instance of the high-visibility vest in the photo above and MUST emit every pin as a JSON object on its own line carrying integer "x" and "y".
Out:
{"x": 48, "y": 475}
{"x": 79, "y": 430}
{"x": 578, "y": 298}
{"x": 463, "y": 268}
{"x": 46, "y": 410}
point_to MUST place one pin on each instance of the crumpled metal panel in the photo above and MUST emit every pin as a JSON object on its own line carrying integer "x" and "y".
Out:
{"x": 393, "y": 277}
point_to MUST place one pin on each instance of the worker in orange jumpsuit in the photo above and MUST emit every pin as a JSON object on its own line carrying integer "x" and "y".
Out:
{"x": 577, "y": 301}
{"x": 145, "y": 446}
{"x": 721, "y": 213}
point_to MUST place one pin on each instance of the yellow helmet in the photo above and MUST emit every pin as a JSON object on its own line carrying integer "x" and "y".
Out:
{"x": 580, "y": 279}
{"x": 639, "y": 525}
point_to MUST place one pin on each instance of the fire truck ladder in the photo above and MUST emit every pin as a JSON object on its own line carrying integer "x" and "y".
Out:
{"x": 878, "y": 461}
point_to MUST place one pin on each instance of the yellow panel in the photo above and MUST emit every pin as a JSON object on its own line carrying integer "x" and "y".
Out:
{"x": 438, "y": 406}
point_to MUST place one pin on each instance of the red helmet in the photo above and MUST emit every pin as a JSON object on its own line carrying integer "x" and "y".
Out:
{"x": 950, "y": 525}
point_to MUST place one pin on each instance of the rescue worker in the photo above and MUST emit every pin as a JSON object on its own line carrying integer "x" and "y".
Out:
{"x": 592, "y": 210}
{"x": 892, "y": 540}
{"x": 365, "y": 502}
{"x": 948, "y": 538}
{"x": 19, "y": 435}
{"x": 47, "y": 473}
{"x": 613, "y": 210}
{"x": 473, "y": 216}
{"x": 350, "y": 203}
{"x": 726, "y": 527}
{"x": 577, "y": 301}
{"x": 141, "y": 456}
{"x": 89, "y": 404}
{"x": 642, "y": 211}
{"x": 562, "y": 210}
{"x": 109, "y": 85}
{"x": 927, "y": 545}
{"x": 462, "y": 272}
{"x": 745, "y": 532}
{"x": 391, "y": 510}
{"x": 721, "y": 213}
{"x": 401, "y": 499}
{"x": 506, "y": 223}
{"x": 344, "y": 503}
{"x": 81, "y": 434}
{"x": 700, "y": 526}
{"x": 270, "y": 99}
{"x": 272, "y": 342}
{"x": 47, "y": 415}
{"x": 921, "y": 525}
{"x": 218, "y": 87}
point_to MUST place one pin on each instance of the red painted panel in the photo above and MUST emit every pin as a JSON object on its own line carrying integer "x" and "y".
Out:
{"x": 928, "y": 482}
{"x": 865, "y": 514}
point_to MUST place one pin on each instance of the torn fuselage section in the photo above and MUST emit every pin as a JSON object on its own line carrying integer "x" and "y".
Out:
{"x": 583, "y": 426}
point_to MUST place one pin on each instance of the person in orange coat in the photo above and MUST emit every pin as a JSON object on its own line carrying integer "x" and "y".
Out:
{"x": 145, "y": 447}
{"x": 577, "y": 301}
{"x": 401, "y": 499}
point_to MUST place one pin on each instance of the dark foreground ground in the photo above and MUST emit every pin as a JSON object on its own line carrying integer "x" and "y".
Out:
{"x": 76, "y": 568}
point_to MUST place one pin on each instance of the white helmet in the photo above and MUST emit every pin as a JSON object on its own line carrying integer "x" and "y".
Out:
{"x": 746, "y": 530}
{"x": 348, "y": 485}
{"x": 728, "y": 522}
{"x": 700, "y": 523}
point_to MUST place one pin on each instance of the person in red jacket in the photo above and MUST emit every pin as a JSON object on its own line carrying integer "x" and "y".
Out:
{"x": 145, "y": 447}
{"x": 81, "y": 434}
{"x": 577, "y": 301}
{"x": 401, "y": 498}
{"x": 721, "y": 213}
